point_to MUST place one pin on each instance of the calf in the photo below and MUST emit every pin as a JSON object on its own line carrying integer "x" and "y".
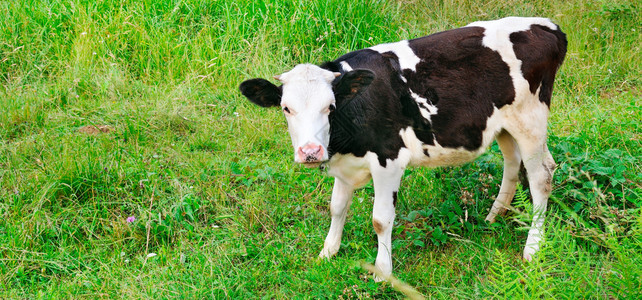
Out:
{"x": 433, "y": 101}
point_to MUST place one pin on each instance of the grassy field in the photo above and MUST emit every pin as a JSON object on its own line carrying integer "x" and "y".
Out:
{"x": 131, "y": 166}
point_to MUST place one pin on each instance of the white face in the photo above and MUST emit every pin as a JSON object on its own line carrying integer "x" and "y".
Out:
{"x": 307, "y": 100}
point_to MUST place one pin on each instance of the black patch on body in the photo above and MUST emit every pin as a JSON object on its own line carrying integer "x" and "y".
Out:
{"x": 462, "y": 78}
{"x": 394, "y": 198}
{"x": 541, "y": 51}
{"x": 371, "y": 120}
{"x": 466, "y": 81}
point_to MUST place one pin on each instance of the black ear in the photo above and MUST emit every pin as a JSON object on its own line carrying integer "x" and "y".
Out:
{"x": 261, "y": 92}
{"x": 351, "y": 83}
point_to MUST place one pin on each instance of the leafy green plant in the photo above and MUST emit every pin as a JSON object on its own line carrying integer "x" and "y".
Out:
{"x": 186, "y": 210}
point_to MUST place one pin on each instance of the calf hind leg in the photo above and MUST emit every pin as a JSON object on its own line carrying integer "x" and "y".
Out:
{"x": 539, "y": 168}
{"x": 512, "y": 161}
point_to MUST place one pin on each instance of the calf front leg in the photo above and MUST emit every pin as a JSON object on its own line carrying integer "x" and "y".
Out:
{"x": 386, "y": 184}
{"x": 339, "y": 205}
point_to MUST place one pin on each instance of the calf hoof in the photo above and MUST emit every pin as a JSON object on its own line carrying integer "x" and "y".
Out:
{"x": 529, "y": 253}
{"x": 381, "y": 273}
{"x": 490, "y": 218}
{"x": 326, "y": 253}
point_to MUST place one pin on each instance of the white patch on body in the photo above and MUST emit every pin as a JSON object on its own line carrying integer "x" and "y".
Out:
{"x": 353, "y": 170}
{"x": 346, "y": 67}
{"x": 407, "y": 57}
{"x": 514, "y": 23}
{"x": 427, "y": 109}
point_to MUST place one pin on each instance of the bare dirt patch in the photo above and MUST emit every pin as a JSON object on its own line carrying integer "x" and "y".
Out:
{"x": 94, "y": 130}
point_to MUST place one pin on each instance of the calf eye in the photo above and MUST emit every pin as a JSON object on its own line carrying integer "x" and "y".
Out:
{"x": 331, "y": 108}
{"x": 286, "y": 109}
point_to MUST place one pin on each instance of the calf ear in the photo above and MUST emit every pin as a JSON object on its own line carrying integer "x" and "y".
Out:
{"x": 351, "y": 83}
{"x": 261, "y": 92}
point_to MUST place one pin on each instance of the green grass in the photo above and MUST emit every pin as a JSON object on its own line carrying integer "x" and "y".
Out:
{"x": 210, "y": 180}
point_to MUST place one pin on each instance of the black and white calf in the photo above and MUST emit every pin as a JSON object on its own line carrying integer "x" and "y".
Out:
{"x": 433, "y": 101}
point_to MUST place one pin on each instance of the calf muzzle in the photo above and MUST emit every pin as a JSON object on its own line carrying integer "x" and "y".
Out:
{"x": 310, "y": 153}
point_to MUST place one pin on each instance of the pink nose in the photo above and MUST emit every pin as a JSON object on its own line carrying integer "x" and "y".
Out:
{"x": 310, "y": 153}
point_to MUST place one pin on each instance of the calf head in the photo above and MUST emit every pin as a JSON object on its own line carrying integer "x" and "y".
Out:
{"x": 308, "y": 97}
